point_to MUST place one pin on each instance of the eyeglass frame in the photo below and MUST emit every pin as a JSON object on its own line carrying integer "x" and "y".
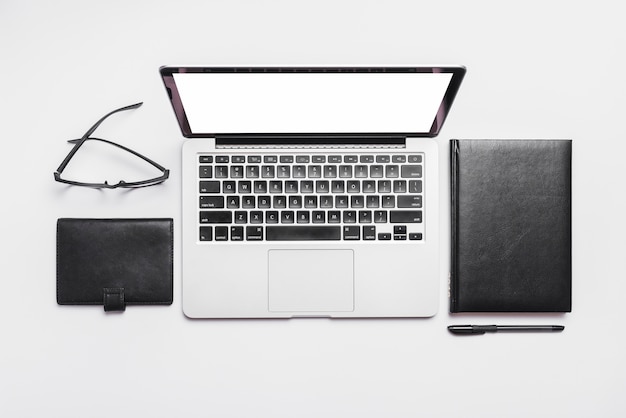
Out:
{"x": 105, "y": 185}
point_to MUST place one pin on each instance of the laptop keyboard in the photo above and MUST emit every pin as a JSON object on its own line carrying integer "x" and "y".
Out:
{"x": 311, "y": 197}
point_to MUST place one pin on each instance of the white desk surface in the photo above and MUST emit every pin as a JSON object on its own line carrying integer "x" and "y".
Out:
{"x": 535, "y": 70}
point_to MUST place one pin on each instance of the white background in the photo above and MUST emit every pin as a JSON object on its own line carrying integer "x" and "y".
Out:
{"x": 535, "y": 70}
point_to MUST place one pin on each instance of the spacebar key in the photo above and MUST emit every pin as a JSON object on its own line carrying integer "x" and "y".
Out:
{"x": 302, "y": 233}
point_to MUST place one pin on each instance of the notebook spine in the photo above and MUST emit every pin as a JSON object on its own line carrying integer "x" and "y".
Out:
{"x": 454, "y": 226}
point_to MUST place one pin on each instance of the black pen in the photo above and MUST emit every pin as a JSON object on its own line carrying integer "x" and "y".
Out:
{"x": 481, "y": 329}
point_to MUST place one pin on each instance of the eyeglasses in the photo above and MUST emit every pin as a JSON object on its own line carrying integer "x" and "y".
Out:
{"x": 105, "y": 185}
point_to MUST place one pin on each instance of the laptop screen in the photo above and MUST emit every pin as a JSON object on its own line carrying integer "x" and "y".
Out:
{"x": 315, "y": 101}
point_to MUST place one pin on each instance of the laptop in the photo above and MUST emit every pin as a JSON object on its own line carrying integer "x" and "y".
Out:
{"x": 310, "y": 191}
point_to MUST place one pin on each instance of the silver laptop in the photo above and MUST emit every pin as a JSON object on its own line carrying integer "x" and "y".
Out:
{"x": 310, "y": 192}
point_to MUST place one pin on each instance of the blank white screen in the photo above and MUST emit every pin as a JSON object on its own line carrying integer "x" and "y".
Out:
{"x": 311, "y": 102}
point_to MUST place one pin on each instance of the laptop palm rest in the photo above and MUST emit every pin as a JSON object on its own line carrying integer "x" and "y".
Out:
{"x": 310, "y": 280}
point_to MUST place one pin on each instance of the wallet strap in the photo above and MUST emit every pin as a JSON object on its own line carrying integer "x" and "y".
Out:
{"x": 114, "y": 299}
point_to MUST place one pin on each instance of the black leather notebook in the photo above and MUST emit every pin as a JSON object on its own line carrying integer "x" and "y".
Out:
{"x": 511, "y": 226}
{"x": 114, "y": 262}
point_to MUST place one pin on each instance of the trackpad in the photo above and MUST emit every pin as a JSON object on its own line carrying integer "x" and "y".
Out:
{"x": 311, "y": 280}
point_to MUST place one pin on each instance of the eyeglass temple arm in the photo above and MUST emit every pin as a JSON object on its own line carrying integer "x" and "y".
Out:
{"x": 89, "y": 132}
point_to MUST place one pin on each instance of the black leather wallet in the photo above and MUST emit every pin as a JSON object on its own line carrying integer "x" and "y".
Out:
{"x": 114, "y": 262}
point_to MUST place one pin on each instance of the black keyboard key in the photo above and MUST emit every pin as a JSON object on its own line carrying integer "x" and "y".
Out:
{"x": 415, "y": 158}
{"x": 353, "y": 186}
{"x": 302, "y": 159}
{"x": 360, "y": 171}
{"x": 303, "y": 216}
{"x": 267, "y": 172}
{"x": 205, "y": 172}
{"x": 206, "y": 233}
{"x": 229, "y": 186}
{"x": 236, "y": 233}
{"x": 244, "y": 186}
{"x": 286, "y": 159}
{"x": 221, "y": 159}
{"x": 398, "y": 158}
{"x": 209, "y": 186}
{"x": 306, "y": 186}
{"x": 221, "y": 171}
{"x": 315, "y": 171}
{"x": 310, "y": 202}
{"x": 254, "y": 159}
{"x": 357, "y": 202}
{"x": 369, "y": 233}
{"x": 380, "y": 216}
{"x": 414, "y": 201}
{"x": 280, "y": 202}
{"x": 248, "y": 202}
{"x": 376, "y": 171}
{"x": 415, "y": 186}
{"x": 221, "y": 233}
{"x": 369, "y": 186}
{"x": 411, "y": 171}
{"x": 271, "y": 217}
{"x": 384, "y": 236}
{"x": 415, "y": 236}
{"x": 283, "y": 171}
{"x": 211, "y": 202}
{"x": 254, "y": 233}
{"x": 391, "y": 171}
{"x": 382, "y": 159}
{"x": 349, "y": 217}
{"x": 350, "y": 159}
{"x": 295, "y": 202}
{"x": 334, "y": 216}
{"x": 276, "y": 186}
{"x": 238, "y": 159}
{"x": 365, "y": 216}
{"x": 252, "y": 171}
{"x": 318, "y": 159}
{"x": 399, "y": 229}
{"x": 204, "y": 159}
{"x": 322, "y": 186}
{"x": 372, "y": 201}
{"x": 319, "y": 217}
{"x": 366, "y": 158}
{"x": 291, "y": 186}
{"x": 335, "y": 159}
{"x": 399, "y": 186}
{"x": 389, "y": 201}
{"x": 260, "y": 186}
{"x": 302, "y": 233}
{"x": 232, "y": 202}
{"x": 405, "y": 216}
{"x": 256, "y": 217}
{"x": 287, "y": 217}
{"x": 384, "y": 186}
{"x": 270, "y": 159}
{"x": 330, "y": 171}
{"x": 351, "y": 233}
{"x": 216, "y": 217}
{"x": 338, "y": 186}
{"x": 265, "y": 202}
{"x": 299, "y": 171}
{"x": 241, "y": 217}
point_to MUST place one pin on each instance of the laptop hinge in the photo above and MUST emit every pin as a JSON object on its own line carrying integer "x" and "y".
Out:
{"x": 331, "y": 140}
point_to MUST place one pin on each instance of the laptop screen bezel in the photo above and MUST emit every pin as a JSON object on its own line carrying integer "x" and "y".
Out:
{"x": 167, "y": 74}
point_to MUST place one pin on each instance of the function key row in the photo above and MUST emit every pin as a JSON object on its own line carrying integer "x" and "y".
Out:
{"x": 305, "y": 159}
